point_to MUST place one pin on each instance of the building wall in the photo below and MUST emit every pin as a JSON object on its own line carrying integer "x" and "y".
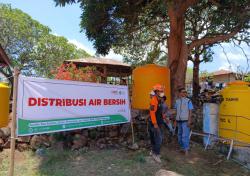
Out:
{"x": 224, "y": 78}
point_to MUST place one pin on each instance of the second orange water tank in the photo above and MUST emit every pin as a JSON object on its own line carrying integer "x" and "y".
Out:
{"x": 144, "y": 78}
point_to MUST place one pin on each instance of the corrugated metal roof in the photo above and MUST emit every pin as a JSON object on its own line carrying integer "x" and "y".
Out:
{"x": 95, "y": 60}
{"x": 222, "y": 72}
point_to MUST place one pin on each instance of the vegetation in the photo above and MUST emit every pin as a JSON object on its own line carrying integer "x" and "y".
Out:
{"x": 71, "y": 72}
{"x": 247, "y": 79}
{"x": 199, "y": 55}
{"x": 119, "y": 162}
{"x": 114, "y": 23}
{"x": 31, "y": 46}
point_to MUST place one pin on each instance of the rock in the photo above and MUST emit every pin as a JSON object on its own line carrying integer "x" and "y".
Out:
{"x": 52, "y": 139}
{"x": 39, "y": 141}
{"x": 5, "y": 132}
{"x": 125, "y": 128}
{"x": 92, "y": 144}
{"x": 163, "y": 172}
{"x": 133, "y": 146}
{"x": 92, "y": 134}
{"x": 101, "y": 134}
{"x": 45, "y": 140}
{"x": 101, "y": 140}
{"x": 101, "y": 146}
{"x": 135, "y": 113}
{"x": 124, "y": 143}
{"x": 113, "y": 133}
{"x": 129, "y": 140}
{"x": 75, "y": 132}
{"x": 79, "y": 141}
{"x": 142, "y": 144}
{"x": 1, "y": 142}
{"x": 41, "y": 152}
{"x": 58, "y": 146}
{"x": 85, "y": 133}
{"x": 22, "y": 147}
{"x": 24, "y": 139}
{"x": 121, "y": 140}
{"x": 6, "y": 144}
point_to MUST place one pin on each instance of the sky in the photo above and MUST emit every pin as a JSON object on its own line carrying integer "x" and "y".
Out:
{"x": 64, "y": 21}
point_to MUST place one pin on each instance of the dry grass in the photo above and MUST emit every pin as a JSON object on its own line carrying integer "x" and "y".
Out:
{"x": 119, "y": 162}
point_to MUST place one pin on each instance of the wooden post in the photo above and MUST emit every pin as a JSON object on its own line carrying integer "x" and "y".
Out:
{"x": 105, "y": 74}
{"x": 132, "y": 128}
{"x": 230, "y": 149}
{"x": 13, "y": 123}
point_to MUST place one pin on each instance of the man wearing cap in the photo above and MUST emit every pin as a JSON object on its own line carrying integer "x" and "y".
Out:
{"x": 184, "y": 109}
{"x": 156, "y": 121}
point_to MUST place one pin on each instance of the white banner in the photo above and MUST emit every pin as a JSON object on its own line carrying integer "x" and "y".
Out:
{"x": 46, "y": 105}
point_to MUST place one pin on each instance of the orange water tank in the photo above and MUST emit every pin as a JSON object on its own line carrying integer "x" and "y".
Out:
{"x": 144, "y": 78}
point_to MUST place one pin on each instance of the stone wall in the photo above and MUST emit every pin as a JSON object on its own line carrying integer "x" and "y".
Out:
{"x": 99, "y": 137}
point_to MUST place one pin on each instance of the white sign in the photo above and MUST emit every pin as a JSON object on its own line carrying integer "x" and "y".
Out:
{"x": 46, "y": 105}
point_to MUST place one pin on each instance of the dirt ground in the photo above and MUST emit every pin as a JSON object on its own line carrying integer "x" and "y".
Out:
{"x": 120, "y": 162}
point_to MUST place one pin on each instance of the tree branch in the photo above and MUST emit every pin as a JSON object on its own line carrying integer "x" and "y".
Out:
{"x": 247, "y": 59}
{"x": 212, "y": 40}
{"x": 223, "y": 50}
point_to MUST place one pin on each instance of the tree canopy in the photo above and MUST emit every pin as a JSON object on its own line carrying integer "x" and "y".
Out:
{"x": 30, "y": 45}
{"x": 111, "y": 24}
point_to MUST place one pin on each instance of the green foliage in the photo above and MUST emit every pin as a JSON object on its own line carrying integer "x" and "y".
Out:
{"x": 19, "y": 35}
{"x": 31, "y": 46}
{"x": 51, "y": 51}
{"x": 206, "y": 75}
{"x": 189, "y": 75}
{"x": 202, "y": 53}
{"x": 247, "y": 79}
{"x": 113, "y": 23}
{"x": 140, "y": 56}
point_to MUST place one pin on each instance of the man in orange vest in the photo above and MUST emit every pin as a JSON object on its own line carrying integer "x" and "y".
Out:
{"x": 155, "y": 122}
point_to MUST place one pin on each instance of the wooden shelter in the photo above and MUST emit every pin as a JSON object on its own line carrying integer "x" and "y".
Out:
{"x": 112, "y": 71}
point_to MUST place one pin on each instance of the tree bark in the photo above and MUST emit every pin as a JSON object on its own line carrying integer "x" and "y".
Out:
{"x": 196, "y": 82}
{"x": 177, "y": 50}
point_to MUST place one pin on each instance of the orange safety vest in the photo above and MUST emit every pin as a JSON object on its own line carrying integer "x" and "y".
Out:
{"x": 155, "y": 111}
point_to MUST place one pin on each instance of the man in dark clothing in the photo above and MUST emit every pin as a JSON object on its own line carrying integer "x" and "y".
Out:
{"x": 166, "y": 119}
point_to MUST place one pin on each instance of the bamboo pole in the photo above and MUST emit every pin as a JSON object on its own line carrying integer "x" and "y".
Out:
{"x": 13, "y": 123}
{"x": 132, "y": 130}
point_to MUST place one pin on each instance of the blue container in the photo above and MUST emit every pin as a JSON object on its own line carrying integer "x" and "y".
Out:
{"x": 210, "y": 121}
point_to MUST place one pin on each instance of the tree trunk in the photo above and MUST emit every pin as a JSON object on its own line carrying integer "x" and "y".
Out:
{"x": 196, "y": 83}
{"x": 177, "y": 51}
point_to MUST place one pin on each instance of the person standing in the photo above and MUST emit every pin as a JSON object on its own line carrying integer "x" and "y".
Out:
{"x": 166, "y": 118}
{"x": 155, "y": 122}
{"x": 184, "y": 109}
